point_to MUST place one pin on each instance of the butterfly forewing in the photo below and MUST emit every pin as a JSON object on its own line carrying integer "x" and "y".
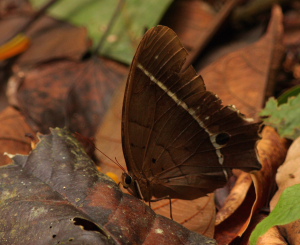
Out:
{"x": 178, "y": 140}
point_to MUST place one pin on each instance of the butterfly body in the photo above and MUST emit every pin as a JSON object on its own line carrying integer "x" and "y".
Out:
{"x": 179, "y": 141}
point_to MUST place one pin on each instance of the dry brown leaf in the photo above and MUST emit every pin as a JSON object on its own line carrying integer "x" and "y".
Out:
{"x": 245, "y": 77}
{"x": 273, "y": 237}
{"x": 13, "y": 132}
{"x": 291, "y": 232}
{"x": 272, "y": 151}
{"x": 289, "y": 173}
{"x": 196, "y": 215}
{"x": 235, "y": 198}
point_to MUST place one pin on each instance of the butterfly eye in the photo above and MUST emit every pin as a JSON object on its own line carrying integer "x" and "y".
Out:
{"x": 222, "y": 138}
{"x": 128, "y": 180}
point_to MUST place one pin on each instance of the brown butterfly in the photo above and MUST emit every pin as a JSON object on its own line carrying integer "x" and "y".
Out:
{"x": 179, "y": 141}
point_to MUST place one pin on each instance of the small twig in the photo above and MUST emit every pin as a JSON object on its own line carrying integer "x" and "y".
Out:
{"x": 109, "y": 26}
{"x": 202, "y": 42}
{"x": 37, "y": 15}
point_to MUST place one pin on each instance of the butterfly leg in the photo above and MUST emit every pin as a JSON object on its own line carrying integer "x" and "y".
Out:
{"x": 163, "y": 198}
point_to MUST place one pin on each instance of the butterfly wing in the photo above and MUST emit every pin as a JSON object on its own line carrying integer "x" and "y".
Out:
{"x": 178, "y": 139}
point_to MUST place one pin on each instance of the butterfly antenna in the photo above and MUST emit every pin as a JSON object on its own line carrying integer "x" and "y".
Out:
{"x": 114, "y": 161}
{"x": 120, "y": 166}
{"x": 80, "y": 136}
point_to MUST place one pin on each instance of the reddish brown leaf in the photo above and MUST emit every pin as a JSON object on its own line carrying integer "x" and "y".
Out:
{"x": 60, "y": 195}
{"x": 13, "y": 132}
{"x": 66, "y": 93}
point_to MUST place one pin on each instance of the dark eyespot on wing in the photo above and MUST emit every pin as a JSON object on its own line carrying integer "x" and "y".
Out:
{"x": 222, "y": 138}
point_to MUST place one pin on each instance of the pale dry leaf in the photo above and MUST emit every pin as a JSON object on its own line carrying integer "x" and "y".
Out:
{"x": 289, "y": 173}
{"x": 273, "y": 237}
{"x": 196, "y": 215}
{"x": 291, "y": 232}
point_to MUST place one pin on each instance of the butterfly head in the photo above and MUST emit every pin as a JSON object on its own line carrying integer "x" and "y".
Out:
{"x": 133, "y": 187}
{"x": 127, "y": 180}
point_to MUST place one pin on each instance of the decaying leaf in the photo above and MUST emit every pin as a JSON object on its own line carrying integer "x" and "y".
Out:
{"x": 57, "y": 196}
{"x": 66, "y": 93}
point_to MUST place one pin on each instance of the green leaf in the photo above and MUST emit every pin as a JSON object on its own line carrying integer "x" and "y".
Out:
{"x": 285, "y": 118}
{"x": 135, "y": 17}
{"x": 286, "y": 211}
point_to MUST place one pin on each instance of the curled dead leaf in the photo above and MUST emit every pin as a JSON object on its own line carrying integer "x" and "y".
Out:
{"x": 235, "y": 198}
{"x": 272, "y": 151}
